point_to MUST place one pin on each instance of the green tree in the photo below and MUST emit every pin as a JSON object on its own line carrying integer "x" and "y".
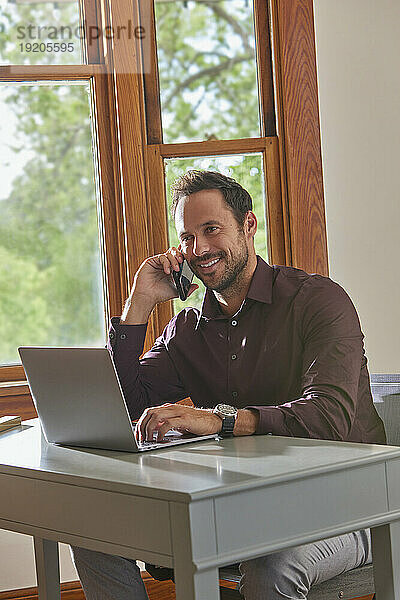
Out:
{"x": 207, "y": 69}
{"x": 22, "y": 310}
{"x": 49, "y": 220}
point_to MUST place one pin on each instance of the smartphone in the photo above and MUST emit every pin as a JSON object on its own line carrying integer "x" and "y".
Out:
{"x": 183, "y": 279}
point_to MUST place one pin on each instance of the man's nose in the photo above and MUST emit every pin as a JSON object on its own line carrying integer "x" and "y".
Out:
{"x": 200, "y": 245}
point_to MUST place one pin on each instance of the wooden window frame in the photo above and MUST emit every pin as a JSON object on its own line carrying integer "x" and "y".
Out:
{"x": 129, "y": 151}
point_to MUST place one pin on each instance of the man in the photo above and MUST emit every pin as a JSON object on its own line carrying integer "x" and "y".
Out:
{"x": 282, "y": 347}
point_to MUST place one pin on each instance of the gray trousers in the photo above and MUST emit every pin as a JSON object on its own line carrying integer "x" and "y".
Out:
{"x": 284, "y": 575}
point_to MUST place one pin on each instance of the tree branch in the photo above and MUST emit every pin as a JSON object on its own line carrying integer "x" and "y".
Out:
{"x": 208, "y": 72}
{"x": 237, "y": 28}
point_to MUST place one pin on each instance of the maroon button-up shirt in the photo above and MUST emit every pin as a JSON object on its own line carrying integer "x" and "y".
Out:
{"x": 293, "y": 351}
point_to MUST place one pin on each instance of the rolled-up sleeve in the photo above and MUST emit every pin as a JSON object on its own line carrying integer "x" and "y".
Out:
{"x": 147, "y": 381}
{"x": 333, "y": 355}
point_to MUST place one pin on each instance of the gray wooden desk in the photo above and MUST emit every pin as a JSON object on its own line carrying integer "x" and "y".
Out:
{"x": 201, "y": 506}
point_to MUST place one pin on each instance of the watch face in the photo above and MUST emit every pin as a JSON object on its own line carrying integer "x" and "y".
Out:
{"x": 226, "y": 410}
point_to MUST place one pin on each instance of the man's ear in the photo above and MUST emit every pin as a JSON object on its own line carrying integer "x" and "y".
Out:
{"x": 251, "y": 223}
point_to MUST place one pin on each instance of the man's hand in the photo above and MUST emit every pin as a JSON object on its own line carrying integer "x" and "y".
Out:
{"x": 153, "y": 283}
{"x": 179, "y": 418}
{"x": 183, "y": 418}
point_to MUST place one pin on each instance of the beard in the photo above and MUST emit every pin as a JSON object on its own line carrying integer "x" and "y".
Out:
{"x": 235, "y": 264}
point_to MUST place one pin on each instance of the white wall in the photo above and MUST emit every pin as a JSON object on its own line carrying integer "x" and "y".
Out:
{"x": 17, "y": 566}
{"x": 358, "y": 58}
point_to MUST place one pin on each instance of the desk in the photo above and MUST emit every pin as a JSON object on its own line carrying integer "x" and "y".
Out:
{"x": 200, "y": 506}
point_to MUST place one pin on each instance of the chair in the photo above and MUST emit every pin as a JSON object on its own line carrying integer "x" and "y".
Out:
{"x": 360, "y": 581}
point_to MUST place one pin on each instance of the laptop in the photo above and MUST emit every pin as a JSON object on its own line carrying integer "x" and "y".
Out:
{"x": 79, "y": 400}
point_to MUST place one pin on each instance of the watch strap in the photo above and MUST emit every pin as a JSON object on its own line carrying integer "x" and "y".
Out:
{"x": 228, "y": 424}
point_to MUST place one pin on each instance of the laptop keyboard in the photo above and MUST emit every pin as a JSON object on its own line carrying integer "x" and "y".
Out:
{"x": 155, "y": 444}
{"x": 170, "y": 437}
{"x": 150, "y": 444}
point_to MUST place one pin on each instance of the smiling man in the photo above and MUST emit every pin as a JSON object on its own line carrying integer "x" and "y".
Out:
{"x": 273, "y": 350}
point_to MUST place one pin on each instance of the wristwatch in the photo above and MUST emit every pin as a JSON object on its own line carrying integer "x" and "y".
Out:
{"x": 228, "y": 414}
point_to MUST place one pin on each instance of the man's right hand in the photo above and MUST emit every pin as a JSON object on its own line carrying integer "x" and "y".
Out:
{"x": 153, "y": 283}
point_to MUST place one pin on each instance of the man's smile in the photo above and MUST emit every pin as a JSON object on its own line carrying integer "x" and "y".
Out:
{"x": 207, "y": 267}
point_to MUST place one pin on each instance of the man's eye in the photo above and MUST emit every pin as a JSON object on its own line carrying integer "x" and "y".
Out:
{"x": 211, "y": 228}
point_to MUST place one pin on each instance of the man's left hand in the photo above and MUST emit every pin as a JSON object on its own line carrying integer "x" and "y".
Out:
{"x": 178, "y": 417}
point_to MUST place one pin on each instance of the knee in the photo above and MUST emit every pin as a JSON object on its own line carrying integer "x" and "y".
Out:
{"x": 276, "y": 577}
{"x": 79, "y": 555}
{"x": 82, "y": 556}
{"x": 98, "y": 561}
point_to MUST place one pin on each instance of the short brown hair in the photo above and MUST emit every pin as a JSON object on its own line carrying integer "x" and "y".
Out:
{"x": 236, "y": 197}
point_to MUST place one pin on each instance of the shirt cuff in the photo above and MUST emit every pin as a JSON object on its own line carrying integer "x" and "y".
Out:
{"x": 130, "y": 336}
{"x": 271, "y": 420}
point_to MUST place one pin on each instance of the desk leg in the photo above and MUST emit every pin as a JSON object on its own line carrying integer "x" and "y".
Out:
{"x": 47, "y": 569}
{"x": 196, "y": 586}
{"x": 386, "y": 558}
{"x": 193, "y": 539}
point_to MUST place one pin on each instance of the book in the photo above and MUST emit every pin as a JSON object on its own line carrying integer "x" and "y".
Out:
{"x": 9, "y": 421}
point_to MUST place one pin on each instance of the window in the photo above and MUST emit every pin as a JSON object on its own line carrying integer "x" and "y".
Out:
{"x": 209, "y": 103}
{"x": 62, "y": 268}
{"x": 50, "y": 261}
{"x": 151, "y": 88}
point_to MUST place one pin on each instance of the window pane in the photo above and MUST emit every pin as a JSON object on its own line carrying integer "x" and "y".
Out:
{"x": 40, "y": 32}
{"x": 207, "y": 69}
{"x": 246, "y": 169}
{"x": 50, "y": 266}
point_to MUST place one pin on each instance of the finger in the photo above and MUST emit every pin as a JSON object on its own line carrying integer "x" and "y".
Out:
{"x": 153, "y": 426}
{"x": 177, "y": 253}
{"x": 175, "y": 423}
{"x": 137, "y": 433}
{"x": 166, "y": 264}
{"x": 140, "y": 427}
{"x": 152, "y": 418}
{"x": 146, "y": 416}
{"x": 171, "y": 255}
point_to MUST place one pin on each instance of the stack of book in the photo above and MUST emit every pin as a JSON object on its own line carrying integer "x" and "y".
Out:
{"x": 8, "y": 422}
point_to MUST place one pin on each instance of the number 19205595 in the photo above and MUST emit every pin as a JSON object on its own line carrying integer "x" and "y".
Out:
{"x": 49, "y": 47}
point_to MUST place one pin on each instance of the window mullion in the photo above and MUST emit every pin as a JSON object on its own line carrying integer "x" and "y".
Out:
{"x": 14, "y": 73}
{"x": 111, "y": 217}
{"x": 151, "y": 78}
{"x": 157, "y": 206}
{"x": 264, "y": 68}
{"x": 130, "y": 122}
{"x": 213, "y": 147}
{"x": 277, "y": 250}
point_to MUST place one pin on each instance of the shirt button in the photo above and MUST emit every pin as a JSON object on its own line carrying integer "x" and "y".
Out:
{"x": 234, "y": 323}
{"x": 123, "y": 336}
{"x": 233, "y": 357}
{"x": 234, "y": 394}
{"x": 111, "y": 335}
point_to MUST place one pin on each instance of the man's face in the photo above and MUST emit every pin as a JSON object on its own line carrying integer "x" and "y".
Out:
{"x": 209, "y": 233}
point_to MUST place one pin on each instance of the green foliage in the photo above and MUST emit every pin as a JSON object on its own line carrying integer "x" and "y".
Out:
{"x": 23, "y": 314}
{"x": 50, "y": 282}
{"x": 49, "y": 224}
{"x": 207, "y": 70}
{"x": 35, "y": 23}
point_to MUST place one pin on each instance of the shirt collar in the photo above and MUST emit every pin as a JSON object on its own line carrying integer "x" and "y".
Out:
{"x": 260, "y": 289}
